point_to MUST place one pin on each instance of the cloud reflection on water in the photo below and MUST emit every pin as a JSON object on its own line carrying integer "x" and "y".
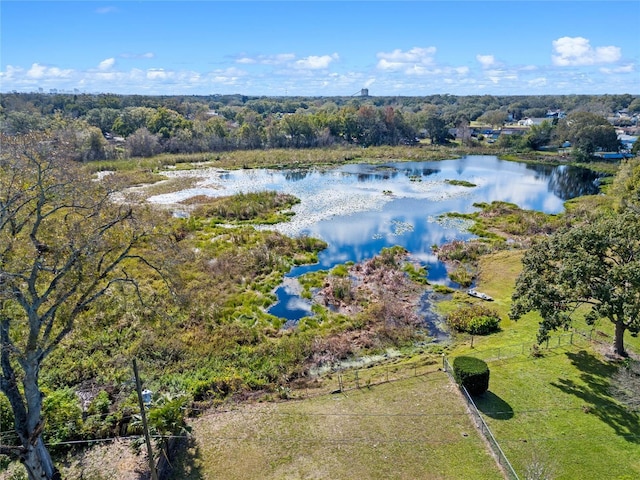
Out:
{"x": 350, "y": 207}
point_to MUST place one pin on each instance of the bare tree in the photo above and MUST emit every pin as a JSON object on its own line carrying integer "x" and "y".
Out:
{"x": 63, "y": 245}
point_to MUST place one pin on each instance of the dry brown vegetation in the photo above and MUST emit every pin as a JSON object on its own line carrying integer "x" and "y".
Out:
{"x": 382, "y": 300}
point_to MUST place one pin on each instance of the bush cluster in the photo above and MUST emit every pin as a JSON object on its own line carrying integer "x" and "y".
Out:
{"x": 472, "y": 373}
{"x": 475, "y": 319}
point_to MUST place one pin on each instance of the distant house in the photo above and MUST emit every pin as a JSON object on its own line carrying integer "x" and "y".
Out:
{"x": 513, "y": 131}
{"x": 551, "y": 114}
{"x": 530, "y": 122}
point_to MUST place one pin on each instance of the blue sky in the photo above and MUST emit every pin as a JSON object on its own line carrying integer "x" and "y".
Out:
{"x": 321, "y": 48}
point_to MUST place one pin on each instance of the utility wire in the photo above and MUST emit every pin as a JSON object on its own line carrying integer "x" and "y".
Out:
{"x": 335, "y": 440}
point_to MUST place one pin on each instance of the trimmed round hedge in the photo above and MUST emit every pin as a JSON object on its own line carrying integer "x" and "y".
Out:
{"x": 472, "y": 373}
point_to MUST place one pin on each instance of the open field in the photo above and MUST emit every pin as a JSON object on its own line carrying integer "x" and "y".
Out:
{"x": 414, "y": 428}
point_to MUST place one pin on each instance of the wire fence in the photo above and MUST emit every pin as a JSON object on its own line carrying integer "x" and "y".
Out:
{"x": 500, "y": 456}
{"x": 351, "y": 379}
{"x": 533, "y": 349}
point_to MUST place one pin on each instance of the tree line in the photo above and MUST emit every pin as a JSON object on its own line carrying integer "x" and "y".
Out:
{"x": 115, "y": 126}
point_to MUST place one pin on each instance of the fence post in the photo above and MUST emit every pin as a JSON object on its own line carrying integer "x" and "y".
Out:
{"x": 357, "y": 382}
{"x": 143, "y": 415}
{"x": 571, "y": 339}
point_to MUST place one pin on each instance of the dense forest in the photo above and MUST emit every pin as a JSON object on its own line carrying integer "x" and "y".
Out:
{"x": 110, "y": 127}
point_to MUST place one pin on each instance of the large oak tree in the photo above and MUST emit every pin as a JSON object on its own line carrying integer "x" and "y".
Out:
{"x": 595, "y": 265}
{"x": 63, "y": 245}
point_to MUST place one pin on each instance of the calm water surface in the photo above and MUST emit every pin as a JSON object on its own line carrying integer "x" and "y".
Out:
{"x": 360, "y": 209}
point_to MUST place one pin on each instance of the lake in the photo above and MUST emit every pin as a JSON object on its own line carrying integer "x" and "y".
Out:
{"x": 358, "y": 209}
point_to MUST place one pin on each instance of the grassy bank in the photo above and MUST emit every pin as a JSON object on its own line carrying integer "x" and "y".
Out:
{"x": 280, "y": 158}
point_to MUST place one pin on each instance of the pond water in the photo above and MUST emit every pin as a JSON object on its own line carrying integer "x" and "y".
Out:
{"x": 359, "y": 209}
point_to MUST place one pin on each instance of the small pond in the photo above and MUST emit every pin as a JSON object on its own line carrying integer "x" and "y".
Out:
{"x": 358, "y": 209}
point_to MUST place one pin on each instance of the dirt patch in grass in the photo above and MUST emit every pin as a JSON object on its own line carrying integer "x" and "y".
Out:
{"x": 113, "y": 460}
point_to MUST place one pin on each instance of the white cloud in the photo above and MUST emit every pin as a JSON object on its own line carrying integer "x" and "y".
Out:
{"x": 629, "y": 68}
{"x": 486, "y": 60}
{"x": 158, "y": 73}
{"x": 537, "y": 82}
{"x": 411, "y": 60}
{"x": 497, "y": 75}
{"x": 314, "y": 62}
{"x": 11, "y": 72}
{"x": 106, "y": 64}
{"x": 277, "y": 59}
{"x": 38, "y": 71}
{"x": 577, "y": 51}
{"x": 138, "y": 55}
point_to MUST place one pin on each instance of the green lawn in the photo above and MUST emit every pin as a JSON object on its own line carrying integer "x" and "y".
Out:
{"x": 555, "y": 409}
{"x": 558, "y": 408}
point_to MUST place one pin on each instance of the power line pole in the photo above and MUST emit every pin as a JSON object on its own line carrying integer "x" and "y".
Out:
{"x": 152, "y": 467}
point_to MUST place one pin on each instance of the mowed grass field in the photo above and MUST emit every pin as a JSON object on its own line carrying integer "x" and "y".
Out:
{"x": 416, "y": 428}
{"x": 555, "y": 410}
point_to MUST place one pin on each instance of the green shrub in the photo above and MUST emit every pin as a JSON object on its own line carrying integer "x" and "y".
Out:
{"x": 100, "y": 404}
{"x": 416, "y": 274}
{"x": 483, "y": 325}
{"x": 340, "y": 271}
{"x": 6, "y": 420}
{"x": 472, "y": 373}
{"x": 443, "y": 289}
{"x": 63, "y": 414}
{"x": 167, "y": 415}
{"x": 475, "y": 319}
{"x": 342, "y": 289}
{"x": 462, "y": 276}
